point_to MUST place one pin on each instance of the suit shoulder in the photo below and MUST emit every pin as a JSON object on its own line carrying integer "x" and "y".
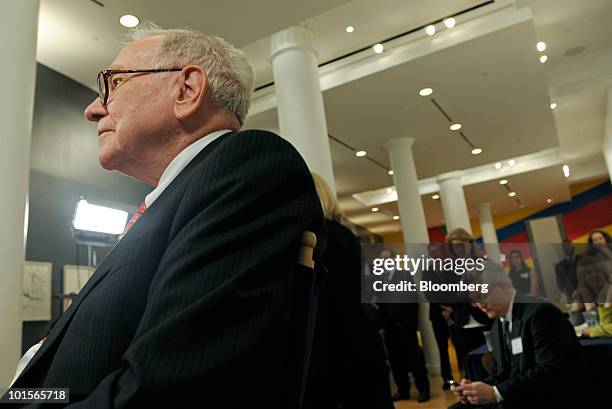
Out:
{"x": 259, "y": 149}
{"x": 258, "y": 137}
{"x": 540, "y": 309}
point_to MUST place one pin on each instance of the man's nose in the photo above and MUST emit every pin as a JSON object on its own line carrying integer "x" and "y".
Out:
{"x": 95, "y": 111}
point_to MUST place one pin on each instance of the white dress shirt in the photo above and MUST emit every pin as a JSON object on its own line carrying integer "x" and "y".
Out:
{"x": 175, "y": 167}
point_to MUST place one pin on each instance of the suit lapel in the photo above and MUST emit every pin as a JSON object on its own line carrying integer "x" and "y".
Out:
{"x": 517, "y": 328}
{"x": 65, "y": 318}
{"x": 497, "y": 344}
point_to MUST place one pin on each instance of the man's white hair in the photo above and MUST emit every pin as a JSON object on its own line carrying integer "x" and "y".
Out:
{"x": 229, "y": 71}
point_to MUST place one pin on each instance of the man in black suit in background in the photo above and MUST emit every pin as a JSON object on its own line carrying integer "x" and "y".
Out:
{"x": 399, "y": 313}
{"x": 565, "y": 271}
{"x": 538, "y": 361}
{"x": 194, "y": 304}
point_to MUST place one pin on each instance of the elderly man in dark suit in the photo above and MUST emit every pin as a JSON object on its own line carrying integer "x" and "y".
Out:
{"x": 538, "y": 361}
{"x": 194, "y": 304}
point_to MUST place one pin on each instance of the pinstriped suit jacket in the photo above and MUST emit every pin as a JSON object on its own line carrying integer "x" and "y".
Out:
{"x": 194, "y": 303}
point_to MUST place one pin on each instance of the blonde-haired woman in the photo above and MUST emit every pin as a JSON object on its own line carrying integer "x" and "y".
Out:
{"x": 329, "y": 203}
{"x": 348, "y": 368}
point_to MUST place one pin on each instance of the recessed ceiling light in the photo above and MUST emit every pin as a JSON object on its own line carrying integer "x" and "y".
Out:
{"x": 511, "y": 194}
{"x": 350, "y": 29}
{"x": 503, "y": 182}
{"x": 476, "y": 151}
{"x": 430, "y": 30}
{"x": 129, "y": 21}
{"x": 549, "y": 200}
{"x": 390, "y": 172}
{"x": 389, "y": 191}
{"x": 425, "y": 92}
{"x": 553, "y": 105}
{"x": 378, "y": 48}
{"x": 455, "y": 127}
{"x": 449, "y": 22}
{"x": 566, "y": 171}
{"x": 375, "y": 209}
{"x": 543, "y": 58}
{"x": 498, "y": 166}
{"x": 511, "y": 162}
{"x": 360, "y": 153}
{"x": 395, "y": 217}
{"x": 541, "y": 46}
{"x": 435, "y": 197}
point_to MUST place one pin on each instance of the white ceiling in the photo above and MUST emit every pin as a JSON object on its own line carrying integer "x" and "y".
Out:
{"x": 493, "y": 84}
{"x": 79, "y": 38}
{"x": 392, "y": 17}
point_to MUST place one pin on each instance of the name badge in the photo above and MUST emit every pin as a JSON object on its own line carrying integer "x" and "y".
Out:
{"x": 517, "y": 346}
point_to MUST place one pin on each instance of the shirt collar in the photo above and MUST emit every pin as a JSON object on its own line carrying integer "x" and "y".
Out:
{"x": 179, "y": 163}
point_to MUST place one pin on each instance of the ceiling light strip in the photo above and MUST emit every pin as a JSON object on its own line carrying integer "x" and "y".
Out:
{"x": 346, "y": 145}
{"x": 395, "y": 37}
{"x": 447, "y": 116}
{"x": 465, "y": 138}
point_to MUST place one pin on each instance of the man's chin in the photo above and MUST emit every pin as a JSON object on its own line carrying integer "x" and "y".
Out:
{"x": 106, "y": 162}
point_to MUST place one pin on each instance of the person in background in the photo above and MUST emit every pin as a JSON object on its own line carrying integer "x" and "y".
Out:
{"x": 400, "y": 324}
{"x": 537, "y": 360}
{"x": 438, "y": 303}
{"x": 565, "y": 270}
{"x": 348, "y": 368}
{"x": 469, "y": 323}
{"x": 524, "y": 279}
{"x": 600, "y": 245}
{"x": 604, "y": 328}
{"x": 594, "y": 277}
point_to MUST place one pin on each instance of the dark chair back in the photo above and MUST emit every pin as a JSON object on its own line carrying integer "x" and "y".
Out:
{"x": 304, "y": 309}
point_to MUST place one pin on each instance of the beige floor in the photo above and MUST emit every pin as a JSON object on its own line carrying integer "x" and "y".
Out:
{"x": 439, "y": 399}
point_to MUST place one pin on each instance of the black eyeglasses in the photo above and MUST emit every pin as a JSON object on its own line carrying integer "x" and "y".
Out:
{"x": 104, "y": 75}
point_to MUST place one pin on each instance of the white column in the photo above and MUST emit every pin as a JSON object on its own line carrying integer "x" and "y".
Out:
{"x": 414, "y": 227}
{"x": 607, "y": 146}
{"x": 454, "y": 206}
{"x": 301, "y": 115}
{"x": 487, "y": 228}
{"x": 412, "y": 215}
{"x": 18, "y": 31}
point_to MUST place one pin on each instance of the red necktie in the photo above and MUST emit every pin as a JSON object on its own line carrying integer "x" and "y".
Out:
{"x": 139, "y": 212}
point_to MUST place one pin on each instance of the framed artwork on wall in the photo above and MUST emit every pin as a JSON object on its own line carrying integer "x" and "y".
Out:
{"x": 37, "y": 291}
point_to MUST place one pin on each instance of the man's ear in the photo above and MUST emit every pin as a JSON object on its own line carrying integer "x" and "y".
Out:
{"x": 193, "y": 85}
